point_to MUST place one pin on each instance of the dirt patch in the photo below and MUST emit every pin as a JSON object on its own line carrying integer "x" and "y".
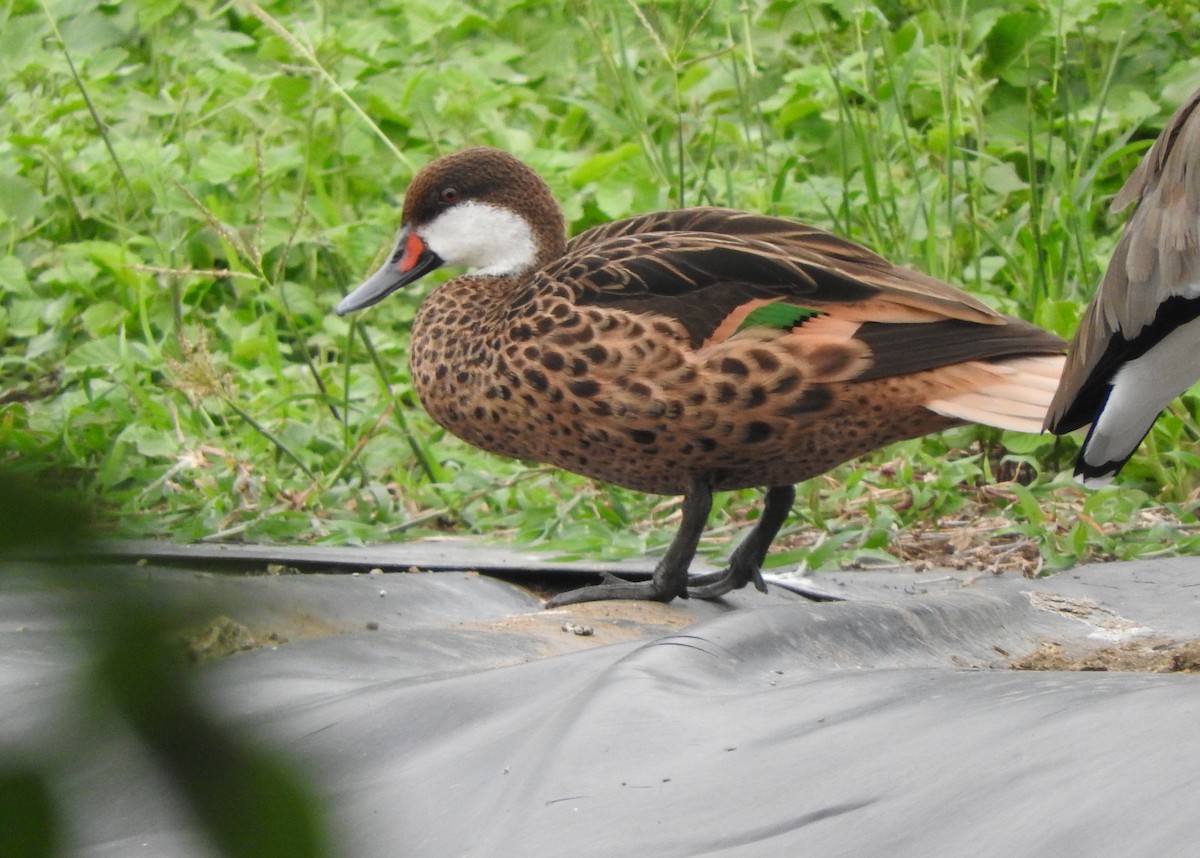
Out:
{"x": 218, "y": 638}
{"x": 592, "y": 624}
{"x": 222, "y": 636}
{"x": 965, "y": 548}
{"x": 978, "y": 538}
{"x": 654, "y": 616}
{"x": 989, "y": 532}
{"x": 1150, "y": 655}
{"x": 1106, "y": 623}
{"x": 1122, "y": 644}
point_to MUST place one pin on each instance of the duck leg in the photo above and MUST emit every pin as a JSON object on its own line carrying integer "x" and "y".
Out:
{"x": 745, "y": 564}
{"x": 671, "y": 573}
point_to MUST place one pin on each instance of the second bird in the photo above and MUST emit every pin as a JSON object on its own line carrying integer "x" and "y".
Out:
{"x": 1138, "y": 346}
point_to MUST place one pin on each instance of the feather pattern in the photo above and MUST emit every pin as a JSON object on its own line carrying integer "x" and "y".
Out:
{"x": 691, "y": 250}
{"x": 692, "y": 351}
{"x": 1150, "y": 290}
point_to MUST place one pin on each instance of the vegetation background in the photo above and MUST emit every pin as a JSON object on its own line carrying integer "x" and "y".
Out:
{"x": 187, "y": 188}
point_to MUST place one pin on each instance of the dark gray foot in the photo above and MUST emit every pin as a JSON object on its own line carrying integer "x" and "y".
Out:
{"x": 616, "y": 588}
{"x": 745, "y": 565}
{"x": 714, "y": 585}
{"x": 670, "y": 576}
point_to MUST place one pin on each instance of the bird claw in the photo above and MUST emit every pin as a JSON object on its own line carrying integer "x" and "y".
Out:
{"x": 615, "y": 588}
{"x": 716, "y": 584}
{"x": 713, "y": 585}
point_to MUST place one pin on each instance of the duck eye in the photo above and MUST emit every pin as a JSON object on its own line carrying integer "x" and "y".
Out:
{"x": 448, "y": 196}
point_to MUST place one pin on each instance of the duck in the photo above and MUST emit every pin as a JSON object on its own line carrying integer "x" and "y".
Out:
{"x": 686, "y": 352}
{"x": 1136, "y": 345}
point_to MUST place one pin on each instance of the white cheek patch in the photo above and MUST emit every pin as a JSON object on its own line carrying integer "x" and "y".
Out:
{"x": 490, "y": 239}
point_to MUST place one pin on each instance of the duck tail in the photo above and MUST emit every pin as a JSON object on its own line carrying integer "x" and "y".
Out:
{"x": 1011, "y": 393}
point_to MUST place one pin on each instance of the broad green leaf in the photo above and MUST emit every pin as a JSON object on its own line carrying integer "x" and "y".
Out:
{"x": 13, "y": 277}
{"x": 20, "y": 201}
{"x": 600, "y": 165}
{"x": 1009, "y": 37}
{"x": 1003, "y": 179}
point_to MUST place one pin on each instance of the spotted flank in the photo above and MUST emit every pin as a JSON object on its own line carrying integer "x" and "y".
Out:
{"x": 688, "y": 352}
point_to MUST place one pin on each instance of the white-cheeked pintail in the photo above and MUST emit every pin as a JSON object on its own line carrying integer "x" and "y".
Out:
{"x": 687, "y": 352}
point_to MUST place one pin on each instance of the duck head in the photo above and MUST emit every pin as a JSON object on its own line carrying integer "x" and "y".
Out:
{"x": 481, "y": 209}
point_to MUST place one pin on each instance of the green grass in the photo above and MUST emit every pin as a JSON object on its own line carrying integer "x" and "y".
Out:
{"x": 186, "y": 189}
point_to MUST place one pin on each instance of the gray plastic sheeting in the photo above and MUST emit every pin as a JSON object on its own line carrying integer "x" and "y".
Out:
{"x": 466, "y": 721}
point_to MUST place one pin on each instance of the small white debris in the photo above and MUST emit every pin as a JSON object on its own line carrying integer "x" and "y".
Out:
{"x": 577, "y": 629}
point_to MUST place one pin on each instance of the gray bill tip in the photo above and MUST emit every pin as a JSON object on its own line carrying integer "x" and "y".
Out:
{"x": 346, "y": 306}
{"x": 374, "y": 289}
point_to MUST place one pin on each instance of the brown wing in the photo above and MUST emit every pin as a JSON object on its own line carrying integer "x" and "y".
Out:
{"x": 782, "y": 257}
{"x": 710, "y": 269}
